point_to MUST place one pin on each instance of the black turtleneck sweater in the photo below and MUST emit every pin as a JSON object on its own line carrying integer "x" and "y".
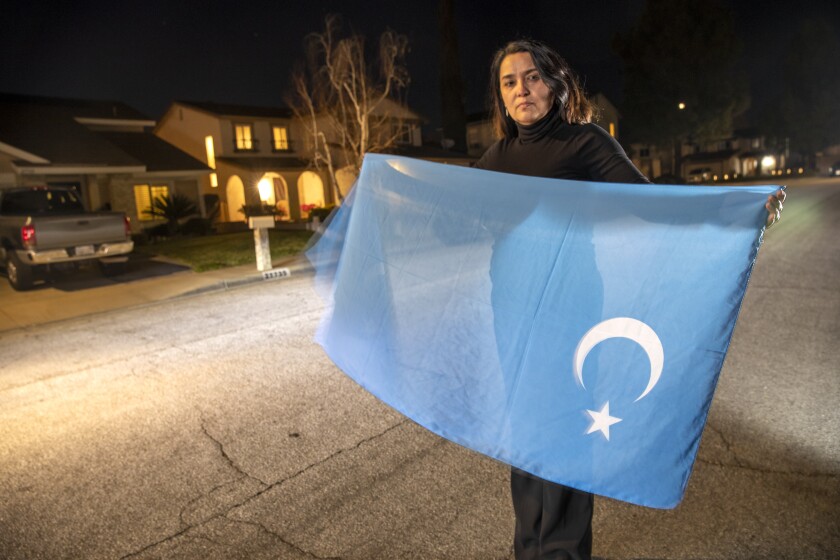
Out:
{"x": 553, "y": 148}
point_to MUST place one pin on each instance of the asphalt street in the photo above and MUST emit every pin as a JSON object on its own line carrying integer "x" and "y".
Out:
{"x": 212, "y": 427}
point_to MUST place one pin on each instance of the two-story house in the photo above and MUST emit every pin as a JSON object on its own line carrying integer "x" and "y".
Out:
{"x": 104, "y": 149}
{"x": 262, "y": 155}
{"x": 744, "y": 154}
{"x": 254, "y": 153}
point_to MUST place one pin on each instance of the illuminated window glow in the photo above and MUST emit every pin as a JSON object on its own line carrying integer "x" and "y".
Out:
{"x": 143, "y": 197}
{"x": 612, "y": 129}
{"x": 280, "y": 138}
{"x": 244, "y": 135}
{"x": 211, "y": 153}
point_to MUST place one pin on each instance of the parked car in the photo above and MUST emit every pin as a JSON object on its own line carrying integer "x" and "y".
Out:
{"x": 41, "y": 227}
{"x": 834, "y": 170}
{"x": 699, "y": 175}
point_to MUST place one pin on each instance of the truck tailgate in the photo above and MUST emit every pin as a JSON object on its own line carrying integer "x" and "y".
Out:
{"x": 54, "y": 232}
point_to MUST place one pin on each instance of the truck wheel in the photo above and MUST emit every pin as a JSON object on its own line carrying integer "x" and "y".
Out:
{"x": 19, "y": 274}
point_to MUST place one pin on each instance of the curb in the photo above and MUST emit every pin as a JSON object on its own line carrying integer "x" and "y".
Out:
{"x": 291, "y": 267}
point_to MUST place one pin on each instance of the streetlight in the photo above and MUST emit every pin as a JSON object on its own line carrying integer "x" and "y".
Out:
{"x": 676, "y": 156}
{"x": 768, "y": 163}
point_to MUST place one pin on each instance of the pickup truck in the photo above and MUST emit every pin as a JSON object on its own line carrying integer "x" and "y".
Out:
{"x": 45, "y": 226}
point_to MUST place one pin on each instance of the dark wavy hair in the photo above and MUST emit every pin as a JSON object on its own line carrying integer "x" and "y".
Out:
{"x": 569, "y": 97}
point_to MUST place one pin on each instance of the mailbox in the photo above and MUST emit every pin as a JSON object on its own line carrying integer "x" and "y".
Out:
{"x": 259, "y": 222}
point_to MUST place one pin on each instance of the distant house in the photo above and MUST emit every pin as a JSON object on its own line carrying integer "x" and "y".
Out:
{"x": 606, "y": 115}
{"x": 743, "y": 154}
{"x": 828, "y": 159}
{"x": 102, "y": 148}
{"x": 480, "y": 135}
{"x": 253, "y": 153}
{"x": 648, "y": 159}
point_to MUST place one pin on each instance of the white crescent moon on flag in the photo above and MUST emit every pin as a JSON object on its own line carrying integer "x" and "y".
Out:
{"x": 623, "y": 327}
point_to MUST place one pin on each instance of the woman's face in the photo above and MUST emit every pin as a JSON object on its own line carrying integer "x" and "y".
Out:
{"x": 526, "y": 96}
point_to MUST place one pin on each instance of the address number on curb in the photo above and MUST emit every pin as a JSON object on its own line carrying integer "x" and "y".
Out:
{"x": 276, "y": 273}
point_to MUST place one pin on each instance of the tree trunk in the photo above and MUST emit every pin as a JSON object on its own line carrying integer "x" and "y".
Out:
{"x": 454, "y": 119}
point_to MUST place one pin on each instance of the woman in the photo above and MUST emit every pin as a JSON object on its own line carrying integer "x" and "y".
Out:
{"x": 543, "y": 118}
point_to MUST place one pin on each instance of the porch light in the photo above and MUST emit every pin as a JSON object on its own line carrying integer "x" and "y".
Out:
{"x": 265, "y": 187}
{"x": 768, "y": 161}
{"x": 681, "y": 105}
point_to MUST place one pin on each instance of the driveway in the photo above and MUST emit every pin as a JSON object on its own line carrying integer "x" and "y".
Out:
{"x": 86, "y": 291}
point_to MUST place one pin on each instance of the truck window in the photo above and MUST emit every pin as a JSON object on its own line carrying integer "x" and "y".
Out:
{"x": 41, "y": 201}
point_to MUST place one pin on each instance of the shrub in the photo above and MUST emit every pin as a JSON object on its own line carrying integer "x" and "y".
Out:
{"x": 172, "y": 208}
{"x": 321, "y": 213}
{"x": 197, "y": 226}
{"x": 262, "y": 209}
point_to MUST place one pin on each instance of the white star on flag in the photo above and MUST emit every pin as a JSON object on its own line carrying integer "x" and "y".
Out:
{"x": 601, "y": 420}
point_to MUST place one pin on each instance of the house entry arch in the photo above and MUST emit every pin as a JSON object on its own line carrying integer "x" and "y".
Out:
{"x": 277, "y": 191}
{"x": 311, "y": 192}
{"x": 235, "y": 196}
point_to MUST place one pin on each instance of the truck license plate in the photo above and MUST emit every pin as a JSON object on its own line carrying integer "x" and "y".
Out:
{"x": 84, "y": 250}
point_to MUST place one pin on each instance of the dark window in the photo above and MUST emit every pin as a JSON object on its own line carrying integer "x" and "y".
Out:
{"x": 41, "y": 201}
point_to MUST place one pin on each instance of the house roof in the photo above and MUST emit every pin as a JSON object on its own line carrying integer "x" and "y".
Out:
{"x": 51, "y": 133}
{"x": 265, "y": 164}
{"x": 81, "y": 108}
{"x": 224, "y": 109}
{"x": 48, "y": 133}
{"x": 710, "y": 156}
{"x": 154, "y": 152}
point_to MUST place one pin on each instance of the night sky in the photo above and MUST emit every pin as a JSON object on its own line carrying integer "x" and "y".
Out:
{"x": 148, "y": 53}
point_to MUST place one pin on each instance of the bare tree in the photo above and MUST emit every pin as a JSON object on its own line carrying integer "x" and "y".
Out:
{"x": 344, "y": 104}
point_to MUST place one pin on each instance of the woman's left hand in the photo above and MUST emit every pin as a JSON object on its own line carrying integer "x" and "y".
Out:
{"x": 774, "y": 207}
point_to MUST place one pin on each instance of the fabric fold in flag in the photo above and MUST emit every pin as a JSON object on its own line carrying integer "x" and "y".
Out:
{"x": 573, "y": 330}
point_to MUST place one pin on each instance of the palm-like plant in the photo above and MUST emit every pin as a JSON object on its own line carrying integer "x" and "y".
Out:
{"x": 172, "y": 208}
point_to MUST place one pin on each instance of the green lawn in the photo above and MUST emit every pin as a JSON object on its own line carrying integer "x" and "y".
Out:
{"x": 211, "y": 252}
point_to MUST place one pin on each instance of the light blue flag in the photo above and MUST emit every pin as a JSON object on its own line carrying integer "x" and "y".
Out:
{"x": 574, "y": 330}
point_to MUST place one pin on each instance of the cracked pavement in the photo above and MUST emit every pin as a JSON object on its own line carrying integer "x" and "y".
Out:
{"x": 212, "y": 427}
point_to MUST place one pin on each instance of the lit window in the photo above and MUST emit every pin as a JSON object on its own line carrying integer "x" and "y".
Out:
{"x": 612, "y": 129}
{"x": 211, "y": 159}
{"x": 280, "y": 137}
{"x": 211, "y": 153}
{"x": 244, "y": 137}
{"x": 143, "y": 197}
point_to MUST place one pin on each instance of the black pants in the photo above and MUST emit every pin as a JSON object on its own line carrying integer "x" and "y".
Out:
{"x": 552, "y": 521}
